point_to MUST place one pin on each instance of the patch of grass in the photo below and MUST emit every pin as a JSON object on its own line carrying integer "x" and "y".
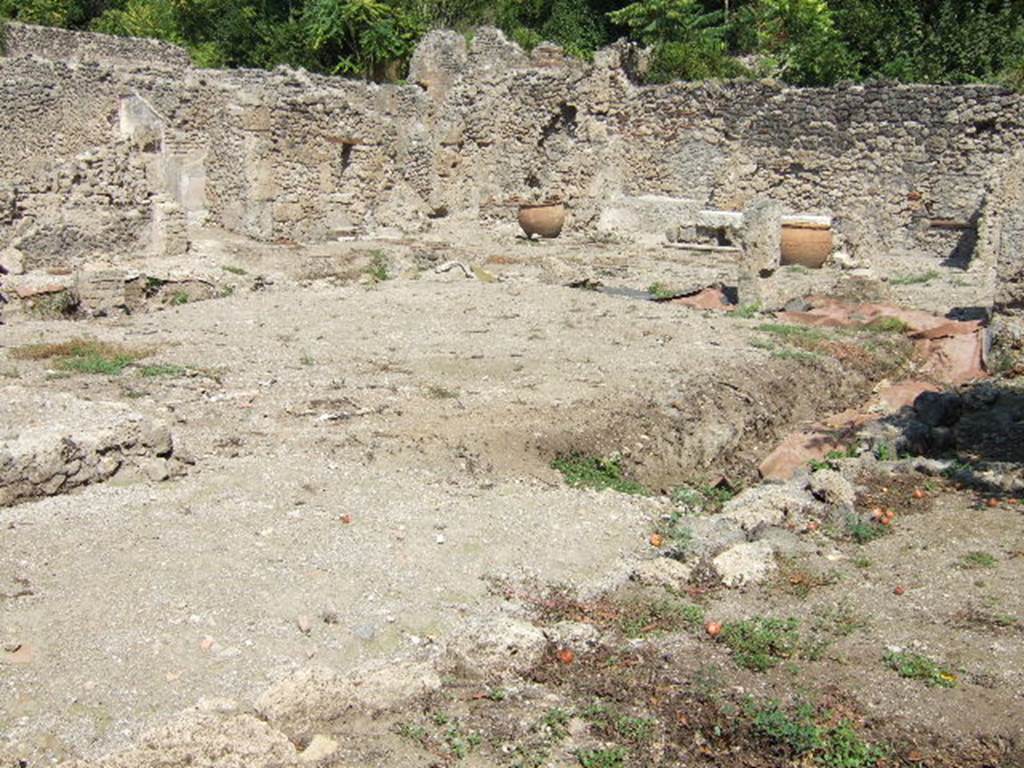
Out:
{"x": 233, "y": 269}
{"x": 761, "y": 643}
{"x": 379, "y": 268}
{"x": 887, "y": 325}
{"x": 786, "y": 331}
{"x": 661, "y": 291}
{"x": 859, "y": 530}
{"x": 83, "y": 355}
{"x": 702, "y": 498}
{"x": 645, "y": 617}
{"x": 977, "y": 559}
{"x": 162, "y": 370}
{"x": 916, "y": 278}
{"x": 612, "y": 757}
{"x": 800, "y": 355}
{"x": 497, "y": 694}
{"x": 581, "y": 471}
{"x": 747, "y": 311}
{"x": 556, "y": 723}
{"x": 804, "y": 731}
{"x": 178, "y": 298}
{"x": 412, "y": 732}
{"x": 438, "y": 392}
{"x": 307, "y": 359}
{"x": 832, "y": 459}
{"x": 840, "y": 620}
{"x": 885, "y": 452}
{"x": 862, "y": 562}
{"x": 916, "y": 666}
{"x": 678, "y": 537}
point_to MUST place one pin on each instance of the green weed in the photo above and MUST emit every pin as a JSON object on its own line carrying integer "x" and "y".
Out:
{"x": 977, "y": 559}
{"x": 379, "y": 268}
{"x": 162, "y": 370}
{"x": 804, "y": 731}
{"x": 556, "y": 723}
{"x": 702, "y": 498}
{"x": 613, "y": 757}
{"x": 178, "y": 298}
{"x": 747, "y": 311}
{"x": 761, "y": 643}
{"x": 233, "y": 269}
{"x": 645, "y": 617}
{"x": 887, "y": 325}
{"x": 785, "y": 331}
{"x": 582, "y": 471}
{"x": 83, "y": 355}
{"x": 916, "y": 666}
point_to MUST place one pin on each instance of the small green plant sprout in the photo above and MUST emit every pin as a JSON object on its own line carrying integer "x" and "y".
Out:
{"x": 747, "y": 311}
{"x": 178, "y": 298}
{"x": 702, "y": 497}
{"x": 675, "y": 535}
{"x": 612, "y": 757}
{"x": 761, "y": 643}
{"x": 885, "y": 452}
{"x": 556, "y": 723}
{"x": 307, "y": 359}
{"x": 916, "y": 666}
{"x": 233, "y": 269}
{"x": 162, "y": 370}
{"x": 977, "y": 559}
{"x": 832, "y": 459}
{"x": 864, "y": 531}
{"x": 497, "y": 694}
{"x": 916, "y": 278}
{"x": 581, "y": 471}
{"x": 661, "y": 291}
{"x": 379, "y": 268}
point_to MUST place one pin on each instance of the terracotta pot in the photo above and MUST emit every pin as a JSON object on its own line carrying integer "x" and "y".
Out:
{"x": 808, "y": 246}
{"x": 543, "y": 220}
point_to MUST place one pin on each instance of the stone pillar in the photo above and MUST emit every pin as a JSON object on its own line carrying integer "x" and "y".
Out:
{"x": 761, "y": 242}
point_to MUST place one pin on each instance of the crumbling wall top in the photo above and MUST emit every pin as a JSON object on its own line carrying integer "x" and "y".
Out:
{"x": 23, "y": 40}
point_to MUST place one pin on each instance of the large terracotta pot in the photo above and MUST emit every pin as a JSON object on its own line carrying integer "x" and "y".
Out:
{"x": 808, "y": 245}
{"x": 543, "y": 220}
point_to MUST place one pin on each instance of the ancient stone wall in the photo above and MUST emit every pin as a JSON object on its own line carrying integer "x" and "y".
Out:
{"x": 286, "y": 155}
{"x": 67, "y": 45}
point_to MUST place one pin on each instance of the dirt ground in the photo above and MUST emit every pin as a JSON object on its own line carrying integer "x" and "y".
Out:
{"x": 372, "y": 456}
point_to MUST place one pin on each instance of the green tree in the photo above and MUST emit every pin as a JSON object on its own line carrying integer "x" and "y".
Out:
{"x": 359, "y": 36}
{"x": 796, "y": 40}
{"x": 687, "y": 40}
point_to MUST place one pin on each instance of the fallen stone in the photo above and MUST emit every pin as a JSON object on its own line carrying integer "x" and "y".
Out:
{"x": 320, "y": 747}
{"x": 318, "y": 699}
{"x": 211, "y": 739}
{"x": 304, "y": 624}
{"x": 749, "y": 562}
{"x": 832, "y": 488}
{"x": 497, "y": 645}
{"x": 768, "y": 504}
{"x": 662, "y": 572}
{"x": 62, "y": 442}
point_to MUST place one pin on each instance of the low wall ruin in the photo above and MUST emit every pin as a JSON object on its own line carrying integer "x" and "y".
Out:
{"x": 290, "y": 156}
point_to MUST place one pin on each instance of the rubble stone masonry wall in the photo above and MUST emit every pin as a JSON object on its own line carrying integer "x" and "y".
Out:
{"x": 286, "y": 155}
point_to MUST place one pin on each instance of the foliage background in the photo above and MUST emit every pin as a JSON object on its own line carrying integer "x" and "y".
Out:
{"x": 804, "y": 42}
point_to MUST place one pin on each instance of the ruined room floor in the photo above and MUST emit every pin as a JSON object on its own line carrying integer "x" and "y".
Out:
{"x": 366, "y": 455}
